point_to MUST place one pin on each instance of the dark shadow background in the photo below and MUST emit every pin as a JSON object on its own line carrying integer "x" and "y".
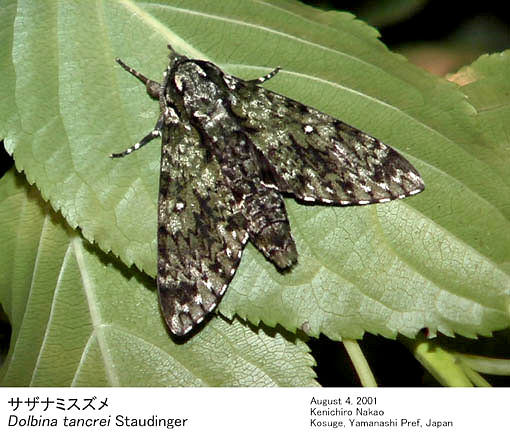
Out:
{"x": 437, "y": 35}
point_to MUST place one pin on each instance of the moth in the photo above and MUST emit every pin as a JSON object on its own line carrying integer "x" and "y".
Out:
{"x": 230, "y": 151}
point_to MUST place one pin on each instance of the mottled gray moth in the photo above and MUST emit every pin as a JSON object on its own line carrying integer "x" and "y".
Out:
{"x": 230, "y": 151}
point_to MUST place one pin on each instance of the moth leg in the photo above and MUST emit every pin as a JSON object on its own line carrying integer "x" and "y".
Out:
{"x": 265, "y": 78}
{"x": 156, "y": 132}
{"x": 153, "y": 87}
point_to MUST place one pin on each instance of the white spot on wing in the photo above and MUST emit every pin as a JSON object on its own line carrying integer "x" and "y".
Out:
{"x": 187, "y": 329}
{"x": 200, "y": 70}
{"x": 269, "y": 185}
{"x": 230, "y": 82}
{"x": 384, "y": 186}
{"x": 366, "y": 188}
{"x": 413, "y": 176}
{"x": 397, "y": 179}
{"x": 178, "y": 82}
{"x": 414, "y": 192}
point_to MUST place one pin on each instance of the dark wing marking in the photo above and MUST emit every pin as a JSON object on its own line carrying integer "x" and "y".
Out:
{"x": 201, "y": 234}
{"x": 316, "y": 157}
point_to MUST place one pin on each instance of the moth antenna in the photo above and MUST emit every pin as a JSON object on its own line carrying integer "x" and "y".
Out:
{"x": 131, "y": 70}
{"x": 153, "y": 87}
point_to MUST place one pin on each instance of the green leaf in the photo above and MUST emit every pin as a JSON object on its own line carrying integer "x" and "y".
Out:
{"x": 485, "y": 83}
{"x": 8, "y": 115}
{"x": 439, "y": 260}
{"x": 81, "y": 318}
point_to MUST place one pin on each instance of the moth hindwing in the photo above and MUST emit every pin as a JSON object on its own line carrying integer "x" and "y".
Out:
{"x": 230, "y": 150}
